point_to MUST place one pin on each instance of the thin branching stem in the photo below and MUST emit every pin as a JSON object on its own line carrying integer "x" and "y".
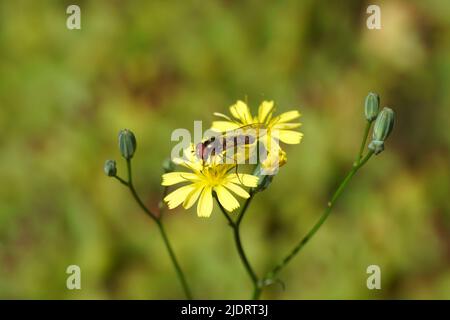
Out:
{"x": 122, "y": 181}
{"x": 161, "y": 229}
{"x": 358, "y": 164}
{"x": 364, "y": 140}
{"x": 321, "y": 220}
{"x": 235, "y": 225}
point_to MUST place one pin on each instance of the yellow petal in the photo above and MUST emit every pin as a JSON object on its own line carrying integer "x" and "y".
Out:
{"x": 193, "y": 195}
{"x": 241, "y": 112}
{"x": 245, "y": 179}
{"x": 175, "y": 198}
{"x": 237, "y": 190}
{"x": 205, "y": 203}
{"x": 189, "y": 159}
{"x": 265, "y": 109}
{"x": 290, "y": 137}
{"x": 286, "y": 126}
{"x": 222, "y": 126}
{"x": 194, "y": 166}
{"x": 226, "y": 199}
{"x": 221, "y": 115}
{"x": 265, "y": 139}
{"x": 286, "y": 117}
{"x": 177, "y": 177}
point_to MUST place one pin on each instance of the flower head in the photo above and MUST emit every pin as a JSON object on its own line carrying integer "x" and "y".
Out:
{"x": 202, "y": 181}
{"x": 277, "y": 128}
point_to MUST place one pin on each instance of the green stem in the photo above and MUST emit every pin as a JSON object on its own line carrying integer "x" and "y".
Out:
{"x": 322, "y": 219}
{"x": 364, "y": 140}
{"x": 136, "y": 196}
{"x": 161, "y": 229}
{"x": 237, "y": 239}
{"x": 122, "y": 181}
{"x": 180, "y": 273}
{"x": 244, "y": 210}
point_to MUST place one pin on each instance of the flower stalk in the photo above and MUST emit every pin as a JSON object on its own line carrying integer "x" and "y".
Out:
{"x": 272, "y": 274}
{"x": 158, "y": 221}
{"x": 270, "y": 278}
{"x": 364, "y": 140}
{"x": 235, "y": 225}
{"x": 357, "y": 165}
{"x": 127, "y": 153}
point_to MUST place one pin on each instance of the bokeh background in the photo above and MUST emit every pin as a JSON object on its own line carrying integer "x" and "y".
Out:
{"x": 153, "y": 66}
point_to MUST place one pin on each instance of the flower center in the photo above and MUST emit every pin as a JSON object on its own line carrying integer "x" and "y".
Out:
{"x": 213, "y": 177}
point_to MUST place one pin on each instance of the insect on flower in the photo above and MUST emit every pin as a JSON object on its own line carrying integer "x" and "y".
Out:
{"x": 235, "y": 141}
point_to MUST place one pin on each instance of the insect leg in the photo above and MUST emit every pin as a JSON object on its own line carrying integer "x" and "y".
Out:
{"x": 237, "y": 174}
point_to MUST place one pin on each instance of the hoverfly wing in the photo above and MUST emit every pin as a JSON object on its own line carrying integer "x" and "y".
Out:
{"x": 230, "y": 142}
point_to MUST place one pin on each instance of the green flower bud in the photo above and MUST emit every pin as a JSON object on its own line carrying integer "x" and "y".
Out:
{"x": 384, "y": 124}
{"x": 381, "y": 130}
{"x": 168, "y": 165}
{"x": 372, "y": 106}
{"x": 127, "y": 143}
{"x": 263, "y": 181}
{"x": 110, "y": 168}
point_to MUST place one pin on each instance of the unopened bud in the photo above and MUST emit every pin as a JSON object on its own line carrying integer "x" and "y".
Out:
{"x": 127, "y": 143}
{"x": 372, "y": 106}
{"x": 381, "y": 130}
{"x": 110, "y": 168}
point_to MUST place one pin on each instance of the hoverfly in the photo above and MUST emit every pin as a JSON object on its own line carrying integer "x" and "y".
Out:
{"x": 228, "y": 141}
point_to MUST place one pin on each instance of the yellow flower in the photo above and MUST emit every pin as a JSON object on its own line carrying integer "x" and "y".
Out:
{"x": 281, "y": 123}
{"x": 279, "y": 128}
{"x": 203, "y": 181}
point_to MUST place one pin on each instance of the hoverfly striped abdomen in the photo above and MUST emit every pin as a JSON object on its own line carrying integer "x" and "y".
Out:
{"x": 229, "y": 141}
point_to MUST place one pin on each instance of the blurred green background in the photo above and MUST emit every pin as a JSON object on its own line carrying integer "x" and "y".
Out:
{"x": 153, "y": 66}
